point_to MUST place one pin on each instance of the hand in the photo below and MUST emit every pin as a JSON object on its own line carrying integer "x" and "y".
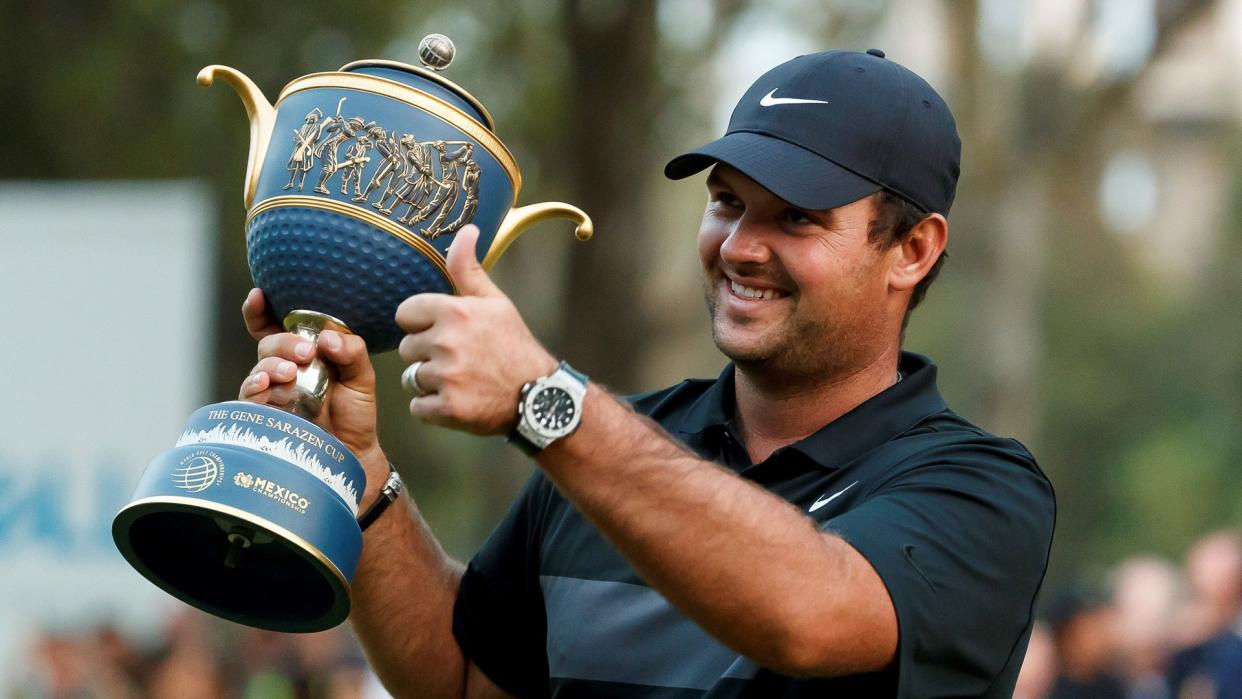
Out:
{"x": 349, "y": 412}
{"x": 476, "y": 349}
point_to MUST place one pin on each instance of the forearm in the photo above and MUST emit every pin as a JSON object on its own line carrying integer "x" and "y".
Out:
{"x": 404, "y": 587}
{"x": 403, "y": 594}
{"x": 745, "y": 565}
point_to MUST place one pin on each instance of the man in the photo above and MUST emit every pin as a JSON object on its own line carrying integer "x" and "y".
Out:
{"x": 306, "y": 138}
{"x": 445, "y": 199}
{"x": 1084, "y": 625}
{"x": 411, "y": 184}
{"x": 1212, "y": 664}
{"x": 338, "y": 131}
{"x": 389, "y": 168}
{"x": 815, "y": 522}
{"x": 469, "y": 190}
{"x": 356, "y": 159}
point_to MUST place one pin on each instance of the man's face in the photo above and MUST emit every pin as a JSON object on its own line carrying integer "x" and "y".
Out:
{"x": 799, "y": 291}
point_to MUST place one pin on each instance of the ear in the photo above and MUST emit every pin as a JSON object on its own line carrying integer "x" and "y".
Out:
{"x": 915, "y": 256}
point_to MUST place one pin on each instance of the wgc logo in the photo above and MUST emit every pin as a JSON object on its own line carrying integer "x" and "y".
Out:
{"x": 199, "y": 471}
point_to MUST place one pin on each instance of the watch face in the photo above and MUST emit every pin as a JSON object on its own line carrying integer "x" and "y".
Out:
{"x": 552, "y": 408}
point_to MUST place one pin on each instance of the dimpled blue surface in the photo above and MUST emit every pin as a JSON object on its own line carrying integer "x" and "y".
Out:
{"x": 312, "y": 259}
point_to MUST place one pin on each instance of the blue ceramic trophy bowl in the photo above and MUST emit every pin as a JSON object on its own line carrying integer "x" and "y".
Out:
{"x": 356, "y": 183}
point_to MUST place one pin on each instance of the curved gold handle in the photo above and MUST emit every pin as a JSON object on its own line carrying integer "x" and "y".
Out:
{"x": 523, "y": 217}
{"x": 262, "y": 119}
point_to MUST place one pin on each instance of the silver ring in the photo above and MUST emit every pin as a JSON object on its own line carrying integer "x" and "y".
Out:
{"x": 409, "y": 380}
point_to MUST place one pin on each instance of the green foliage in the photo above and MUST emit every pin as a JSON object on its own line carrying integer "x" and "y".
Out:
{"x": 1135, "y": 384}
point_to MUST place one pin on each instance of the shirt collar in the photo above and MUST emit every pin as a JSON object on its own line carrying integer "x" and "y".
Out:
{"x": 713, "y": 408}
{"x": 870, "y": 424}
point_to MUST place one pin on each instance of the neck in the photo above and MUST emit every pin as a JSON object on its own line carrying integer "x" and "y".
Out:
{"x": 774, "y": 413}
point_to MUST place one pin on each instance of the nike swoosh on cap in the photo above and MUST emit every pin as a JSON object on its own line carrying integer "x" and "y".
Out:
{"x": 824, "y": 501}
{"x": 770, "y": 100}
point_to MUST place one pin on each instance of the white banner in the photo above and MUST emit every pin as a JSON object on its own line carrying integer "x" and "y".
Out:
{"x": 105, "y": 298}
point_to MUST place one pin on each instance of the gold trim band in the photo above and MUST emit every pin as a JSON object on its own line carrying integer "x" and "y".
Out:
{"x": 369, "y": 217}
{"x": 245, "y": 517}
{"x": 415, "y": 98}
{"x": 427, "y": 74}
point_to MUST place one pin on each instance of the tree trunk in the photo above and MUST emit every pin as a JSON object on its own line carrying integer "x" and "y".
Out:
{"x": 612, "y": 87}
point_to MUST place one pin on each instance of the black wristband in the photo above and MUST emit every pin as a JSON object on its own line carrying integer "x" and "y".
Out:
{"x": 390, "y": 492}
{"x": 528, "y": 447}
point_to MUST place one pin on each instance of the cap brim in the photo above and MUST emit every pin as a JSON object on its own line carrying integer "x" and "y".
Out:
{"x": 793, "y": 173}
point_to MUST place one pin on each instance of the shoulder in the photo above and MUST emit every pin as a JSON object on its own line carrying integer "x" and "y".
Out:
{"x": 958, "y": 523}
{"x": 945, "y": 436}
{"x": 945, "y": 463}
{"x": 946, "y": 458}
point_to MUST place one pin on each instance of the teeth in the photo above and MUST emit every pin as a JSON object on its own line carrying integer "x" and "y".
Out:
{"x": 752, "y": 293}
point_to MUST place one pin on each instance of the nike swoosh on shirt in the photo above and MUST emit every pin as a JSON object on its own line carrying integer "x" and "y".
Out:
{"x": 769, "y": 100}
{"x": 824, "y": 501}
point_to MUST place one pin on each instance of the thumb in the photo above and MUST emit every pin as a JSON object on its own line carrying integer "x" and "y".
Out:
{"x": 464, "y": 267}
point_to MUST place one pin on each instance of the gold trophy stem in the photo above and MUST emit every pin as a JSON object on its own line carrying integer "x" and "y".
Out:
{"x": 521, "y": 218}
{"x": 305, "y": 398}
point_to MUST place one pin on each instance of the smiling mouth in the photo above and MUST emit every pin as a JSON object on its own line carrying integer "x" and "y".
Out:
{"x": 750, "y": 292}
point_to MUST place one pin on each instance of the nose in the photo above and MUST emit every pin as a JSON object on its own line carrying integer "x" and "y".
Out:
{"x": 746, "y": 243}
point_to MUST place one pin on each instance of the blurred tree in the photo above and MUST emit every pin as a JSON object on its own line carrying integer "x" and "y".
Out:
{"x": 1046, "y": 324}
{"x": 1075, "y": 348}
{"x": 574, "y": 85}
{"x": 613, "y": 83}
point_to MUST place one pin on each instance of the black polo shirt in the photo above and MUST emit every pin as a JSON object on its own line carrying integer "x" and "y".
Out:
{"x": 957, "y": 522}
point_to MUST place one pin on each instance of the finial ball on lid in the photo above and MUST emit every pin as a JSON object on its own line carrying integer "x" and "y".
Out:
{"x": 436, "y": 51}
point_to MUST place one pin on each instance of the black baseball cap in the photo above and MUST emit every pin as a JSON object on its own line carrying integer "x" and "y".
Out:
{"x": 826, "y": 129}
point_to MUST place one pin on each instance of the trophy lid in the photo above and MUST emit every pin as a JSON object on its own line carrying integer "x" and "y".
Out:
{"x": 436, "y": 52}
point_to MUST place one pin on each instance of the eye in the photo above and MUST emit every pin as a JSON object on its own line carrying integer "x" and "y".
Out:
{"x": 796, "y": 216}
{"x": 726, "y": 199}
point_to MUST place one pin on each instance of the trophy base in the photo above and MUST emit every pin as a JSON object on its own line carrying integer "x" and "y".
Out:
{"x": 232, "y": 564}
{"x": 228, "y": 523}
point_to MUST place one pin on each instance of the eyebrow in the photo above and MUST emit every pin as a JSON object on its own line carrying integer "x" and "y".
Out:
{"x": 826, "y": 216}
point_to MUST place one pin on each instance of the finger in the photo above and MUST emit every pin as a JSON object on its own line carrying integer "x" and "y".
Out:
{"x": 349, "y": 353}
{"x": 278, "y": 395}
{"x": 295, "y": 348}
{"x": 463, "y": 265}
{"x": 278, "y": 370}
{"x": 417, "y": 347}
{"x": 430, "y": 408}
{"x": 256, "y": 383}
{"x": 429, "y": 377}
{"x": 269, "y": 372}
{"x": 419, "y": 312}
{"x": 259, "y": 320}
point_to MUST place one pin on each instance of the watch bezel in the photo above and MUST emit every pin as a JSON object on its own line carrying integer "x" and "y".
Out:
{"x": 546, "y": 431}
{"x": 536, "y": 434}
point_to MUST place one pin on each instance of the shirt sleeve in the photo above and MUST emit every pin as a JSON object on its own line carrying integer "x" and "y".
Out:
{"x": 498, "y": 618}
{"x": 961, "y": 541}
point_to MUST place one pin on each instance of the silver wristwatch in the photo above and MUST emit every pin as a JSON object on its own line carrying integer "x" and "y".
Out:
{"x": 549, "y": 409}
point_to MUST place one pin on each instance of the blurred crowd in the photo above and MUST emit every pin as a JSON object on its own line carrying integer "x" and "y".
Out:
{"x": 197, "y": 657}
{"x": 1154, "y": 631}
